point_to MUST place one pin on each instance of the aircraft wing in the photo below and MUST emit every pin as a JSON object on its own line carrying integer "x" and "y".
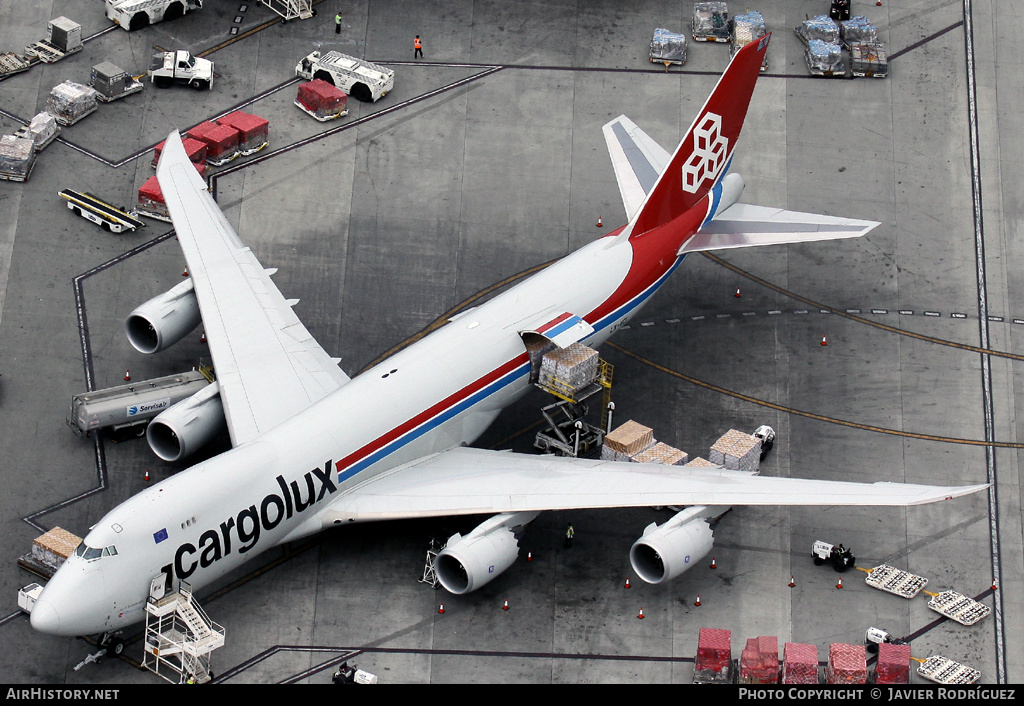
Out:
{"x": 268, "y": 365}
{"x": 466, "y": 481}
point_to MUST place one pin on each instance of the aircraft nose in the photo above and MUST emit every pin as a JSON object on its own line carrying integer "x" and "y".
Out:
{"x": 45, "y": 618}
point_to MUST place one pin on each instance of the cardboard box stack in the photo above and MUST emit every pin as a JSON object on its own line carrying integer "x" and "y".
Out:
{"x": 893, "y": 666}
{"x": 54, "y": 547}
{"x": 568, "y": 369}
{"x": 699, "y": 462}
{"x": 799, "y": 663}
{"x": 254, "y": 131}
{"x": 737, "y": 451}
{"x": 625, "y": 441}
{"x": 714, "y": 657}
{"x": 659, "y": 452}
{"x": 221, "y": 141}
{"x": 759, "y": 661}
{"x": 847, "y": 664}
{"x": 322, "y": 100}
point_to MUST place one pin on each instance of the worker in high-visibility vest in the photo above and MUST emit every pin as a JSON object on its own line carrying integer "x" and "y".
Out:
{"x": 569, "y": 534}
{"x": 337, "y": 23}
{"x": 418, "y": 46}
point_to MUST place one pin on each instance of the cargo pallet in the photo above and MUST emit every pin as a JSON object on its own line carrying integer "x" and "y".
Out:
{"x": 896, "y": 581}
{"x": 8, "y": 176}
{"x": 24, "y": 133}
{"x": 61, "y": 120}
{"x": 309, "y": 112}
{"x": 47, "y": 53}
{"x": 958, "y": 607}
{"x": 135, "y": 87}
{"x": 99, "y": 212}
{"x": 943, "y": 670}
{"x": 11, "y": 63}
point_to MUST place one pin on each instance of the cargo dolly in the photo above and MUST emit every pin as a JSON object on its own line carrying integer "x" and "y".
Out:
{"x": 99, "y": 212}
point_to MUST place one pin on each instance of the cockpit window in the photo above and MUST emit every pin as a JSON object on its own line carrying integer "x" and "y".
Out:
{"x": 92, "y": 553}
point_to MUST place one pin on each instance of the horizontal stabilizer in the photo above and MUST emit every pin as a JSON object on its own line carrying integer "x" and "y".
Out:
{"x": 637, "y": 159}
{"x": 743, "y": 226}
{"x": 465, "y": 481}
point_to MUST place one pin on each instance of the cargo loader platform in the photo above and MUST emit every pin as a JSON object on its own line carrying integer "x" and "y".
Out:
{"x": 100, "y": 212}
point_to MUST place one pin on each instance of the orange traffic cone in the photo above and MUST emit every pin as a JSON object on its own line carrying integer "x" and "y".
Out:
{"x": 146, "y": 477}
{"x": 627, "y": 583}
{"x": 202, "y": 339}
{"x": 127, "y": 375}
{"x": 529, "y": 556}
{"x": 641, "y": 614}
{"x": 505, "y": 607}
{"x": 824, "y": 340}
{"x": 792, "y": 581}
{"x": 184, "y": 273}
{"x": 993, "y": 584}
{"x": 599, "y": 224}
{"x": 697, "y": 602}
{"x": 738, "y": 295}
{"x": 840, "y": 584}
{"x": 441, "y": 609}
{"x": 713, "y": 564}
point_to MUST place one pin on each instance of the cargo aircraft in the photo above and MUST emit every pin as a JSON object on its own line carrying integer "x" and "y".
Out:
{"x": 314, "y": 449}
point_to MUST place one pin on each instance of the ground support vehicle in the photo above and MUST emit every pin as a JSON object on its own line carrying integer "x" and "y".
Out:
{"x": 291, "y": 9}
{"x": 100, "y": 212}
{"x": 170, "y": 67}
{"x": 132, "y": 405}
{"x": 874, "y": 637}
{"x": 136, "y": 14}
{"x": 840, "y": 557}
{"x": 360, "y": 79}
{"x": 767, "y": 436}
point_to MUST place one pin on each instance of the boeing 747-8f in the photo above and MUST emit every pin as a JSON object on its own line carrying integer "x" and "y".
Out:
{"x": 314, "y": 449}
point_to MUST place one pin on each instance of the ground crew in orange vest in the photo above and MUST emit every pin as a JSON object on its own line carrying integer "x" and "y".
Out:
{"x": 418, "y": 46}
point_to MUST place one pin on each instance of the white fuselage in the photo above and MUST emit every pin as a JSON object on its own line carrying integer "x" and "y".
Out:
{"x": 438, "y": 393}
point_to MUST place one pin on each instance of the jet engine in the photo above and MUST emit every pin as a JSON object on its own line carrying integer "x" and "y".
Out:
{"x": 467, "y": 563}
{"x": 665, "y": 551}
{"x": 164, "y": 320}
{"x": 182, "y": 429}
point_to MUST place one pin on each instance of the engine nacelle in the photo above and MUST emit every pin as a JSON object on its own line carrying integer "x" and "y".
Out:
{"x": 164, "y": 320}
{"x": 467, "y": 563}
{"x": 664, "y": 552}
{"x": 179, "y": 431}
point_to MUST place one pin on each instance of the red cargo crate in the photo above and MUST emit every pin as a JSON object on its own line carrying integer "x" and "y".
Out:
{"x": 195, "y": 150}
{"x": 893, "y": 666}
{"x": 847, "y": 664}
{"x": 714, "y": 656}
{"x": 799, "y": 663}
{"x": 254, "y": 131}
{"x": 322, "y": 100}
{"x": 221, "y": 141}
{"x": 759, "y": 661}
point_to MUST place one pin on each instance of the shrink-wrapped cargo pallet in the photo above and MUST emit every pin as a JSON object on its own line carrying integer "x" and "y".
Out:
{"x": 759, "y": 661}
{"x": 570, "y": 369}
{"x": 668, "y": 47}
{"x": 847, "y": 664}
{"x": 824, "y": 58}
{"x": 820, "y": 27}
{"x": 625, "y": 441}
{"x": 322, "y": 100}
{"x": 194, "y": 149}
{"x": 151, "y": 199}
{"x": 221, "y": 141}
{"x": 254, "y": 131}
{"x": 737, "y": 451}
{"x": 69, "y": 102}
{"x": 799, "y": 663}
{"x": 869, "y": 59}
{"x": 54, "y": 547}
{"x": 710, "y": 22}
{"x": 714, "y": 657}
{"x": 857, "y": 29}
{"x": 17, "y": 155}
{"x": 893, "y": 665}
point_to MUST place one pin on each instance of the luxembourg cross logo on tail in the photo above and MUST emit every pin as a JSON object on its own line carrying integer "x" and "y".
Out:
{"x": 710, "y": 148}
